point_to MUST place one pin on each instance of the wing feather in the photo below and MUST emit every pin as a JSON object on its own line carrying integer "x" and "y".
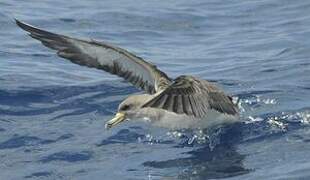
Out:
{"x": 191, "y": 96}
{"x": 102, "y": 56}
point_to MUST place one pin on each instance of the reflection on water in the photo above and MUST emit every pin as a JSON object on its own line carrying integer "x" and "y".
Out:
{"x": 204, "y": 162}
{"x": 217, "y": 157}
{"x": 223, "y": 161}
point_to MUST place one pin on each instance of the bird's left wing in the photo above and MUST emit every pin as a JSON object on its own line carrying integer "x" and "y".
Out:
{"x": 103, "y": 56}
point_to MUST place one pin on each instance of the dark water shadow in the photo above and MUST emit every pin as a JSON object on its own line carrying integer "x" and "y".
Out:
{"x": 203, "y": 162}
{"x": 223, "y": 160}
{"x": 66, "y": 156}
{"x": 123, "y": 136}
{"x": 43, "y": 174}
{"x": 209, "y": 163}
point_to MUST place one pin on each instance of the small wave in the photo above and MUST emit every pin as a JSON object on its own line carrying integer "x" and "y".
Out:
{"x": 68, "y": 156}
{"x": 18, "y": 141}
{"x": 43, "y": 174}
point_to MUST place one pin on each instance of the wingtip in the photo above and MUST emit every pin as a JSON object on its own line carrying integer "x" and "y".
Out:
{"x": 20, "y": 24}
{"x": 24, "y": 26}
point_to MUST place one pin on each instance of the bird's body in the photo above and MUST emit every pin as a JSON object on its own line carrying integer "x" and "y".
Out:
{"x": 185, "y": 102}
{"x": 168, "y": 119}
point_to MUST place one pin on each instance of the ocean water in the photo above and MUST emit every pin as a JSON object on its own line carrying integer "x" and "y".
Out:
{"x": 52, "y": 112}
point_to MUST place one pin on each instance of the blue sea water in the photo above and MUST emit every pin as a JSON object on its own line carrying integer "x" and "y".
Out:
{"x": 52, "y": 112}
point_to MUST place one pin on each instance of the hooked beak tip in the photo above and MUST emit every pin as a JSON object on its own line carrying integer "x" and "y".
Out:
{"x": 119, "y": 117}
{"x": 107, "y": 126}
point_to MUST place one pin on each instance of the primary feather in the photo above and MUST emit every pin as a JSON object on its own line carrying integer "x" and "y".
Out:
{"x": 103, "y": 56}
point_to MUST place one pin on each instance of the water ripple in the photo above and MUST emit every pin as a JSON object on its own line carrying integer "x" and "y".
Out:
{"x": 53, "y": 112}
{"x": 68, "y": 157}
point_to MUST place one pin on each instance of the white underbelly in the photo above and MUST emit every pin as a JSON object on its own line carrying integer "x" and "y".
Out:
{"x": 175, "y": 121}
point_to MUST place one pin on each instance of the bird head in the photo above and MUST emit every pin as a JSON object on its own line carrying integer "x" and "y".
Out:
{"x": 128, "y": 109}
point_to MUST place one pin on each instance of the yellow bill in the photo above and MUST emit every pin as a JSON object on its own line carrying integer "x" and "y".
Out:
{"x": 119, "y": 117}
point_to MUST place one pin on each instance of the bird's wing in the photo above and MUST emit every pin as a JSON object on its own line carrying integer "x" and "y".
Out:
{"x": 102, "y": 56}
{"x": 191, "y": 96}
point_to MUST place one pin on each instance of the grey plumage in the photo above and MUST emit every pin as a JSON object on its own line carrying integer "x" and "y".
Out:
{"x": 185, "y": 95}
{"x": 102, "y": 56}
{"x": 192, "y": 96}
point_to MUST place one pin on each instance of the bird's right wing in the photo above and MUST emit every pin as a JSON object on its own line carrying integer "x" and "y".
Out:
{"x": 192, "y": 96}
{"x": 103, "y": 56}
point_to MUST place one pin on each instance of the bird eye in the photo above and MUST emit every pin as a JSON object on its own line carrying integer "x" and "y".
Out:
{"x": 125, "y": 107}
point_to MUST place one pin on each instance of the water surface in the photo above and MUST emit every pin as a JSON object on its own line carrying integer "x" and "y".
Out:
{"x": 52, "y": 112}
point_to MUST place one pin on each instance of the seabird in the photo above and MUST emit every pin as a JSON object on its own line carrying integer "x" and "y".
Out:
{"x": 184, "y": 102}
